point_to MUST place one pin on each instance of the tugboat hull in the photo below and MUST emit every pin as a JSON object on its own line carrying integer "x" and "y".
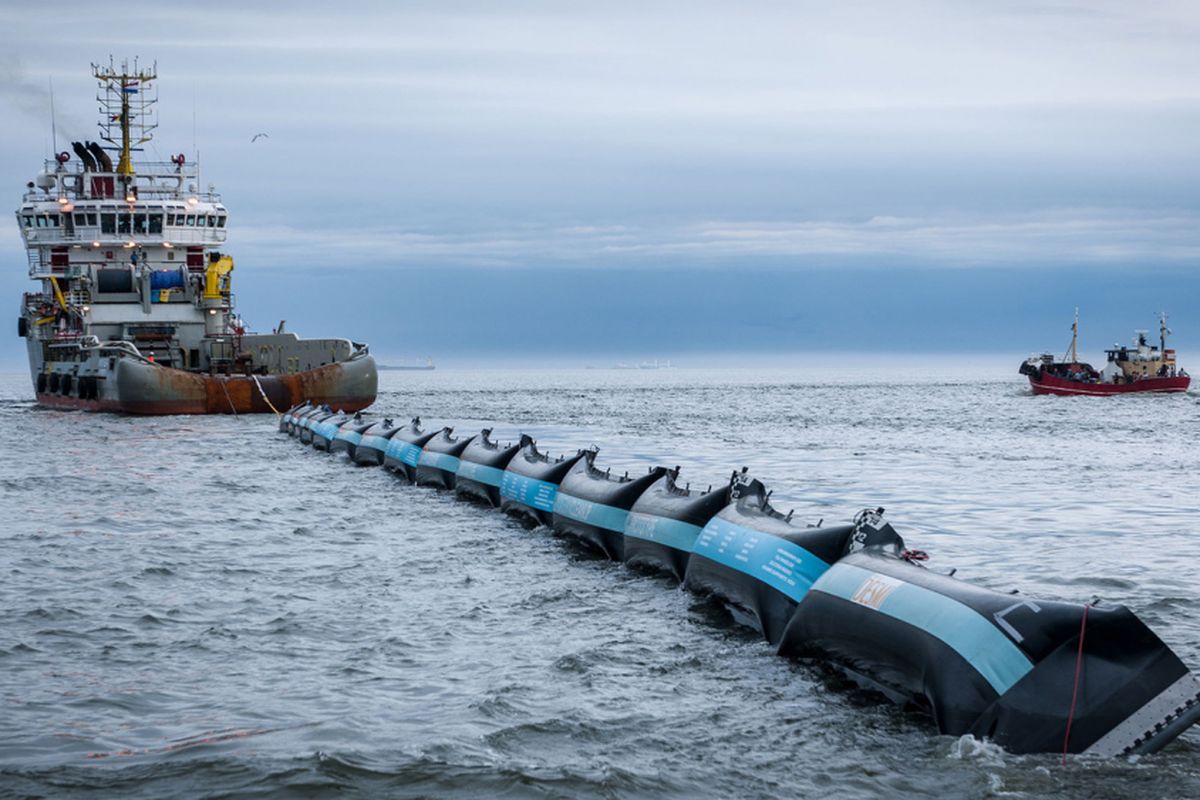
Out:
{"x": 133, "y": 386}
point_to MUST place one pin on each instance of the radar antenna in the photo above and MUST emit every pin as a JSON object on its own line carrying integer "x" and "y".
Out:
{"x": 127, "y": 102}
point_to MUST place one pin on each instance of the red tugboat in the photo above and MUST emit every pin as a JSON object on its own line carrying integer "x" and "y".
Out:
{"x": 1130, "y": 370}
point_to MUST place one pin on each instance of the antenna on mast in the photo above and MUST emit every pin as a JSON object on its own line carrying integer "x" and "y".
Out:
{"x": 128, "y": 106}
{"x": 1074, "y": 352}
{"x": 53, "y": 122}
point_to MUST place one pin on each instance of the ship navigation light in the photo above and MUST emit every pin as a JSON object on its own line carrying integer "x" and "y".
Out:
{"x": 95, "y": 244}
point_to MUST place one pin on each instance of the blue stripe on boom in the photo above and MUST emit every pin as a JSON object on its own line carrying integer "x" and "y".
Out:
{"x": 780, "y": 564}
{"x": 992, "y": 654}
{"x": 480, "y": 473}
{"x": 374, "y": 442}
{"x": 662, "y": 530}
{"x": 403, "y": 451}
{"x": 353, "y": 437}
{"x": 597, "y": 514}
{"x": 530, "y": 491}
{"x": 440, "y": 461}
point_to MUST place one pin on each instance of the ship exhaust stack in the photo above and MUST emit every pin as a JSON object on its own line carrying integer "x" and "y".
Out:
{"x": 89, "y": 163}
{"x": 102, "y": 159}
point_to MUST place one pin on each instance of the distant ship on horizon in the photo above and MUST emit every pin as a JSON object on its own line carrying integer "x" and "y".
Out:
{"x": 428, "y": 365}
{"x": 655, "y": 364}
{"x": 1138, "y": 369}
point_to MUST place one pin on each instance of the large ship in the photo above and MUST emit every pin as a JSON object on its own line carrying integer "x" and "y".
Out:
{"x": 1134, "y": 369}
{"x": 134, "y": 310}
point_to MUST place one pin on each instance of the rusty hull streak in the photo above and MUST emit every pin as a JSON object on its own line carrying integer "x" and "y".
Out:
{"x": 349, "y": 386}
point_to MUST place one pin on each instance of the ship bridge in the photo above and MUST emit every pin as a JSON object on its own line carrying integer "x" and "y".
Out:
{"x": 84, "y": 212}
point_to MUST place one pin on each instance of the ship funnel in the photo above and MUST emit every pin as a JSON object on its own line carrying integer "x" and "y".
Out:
{"x": 102, "y": 159}
{"x": 89, "y": 163}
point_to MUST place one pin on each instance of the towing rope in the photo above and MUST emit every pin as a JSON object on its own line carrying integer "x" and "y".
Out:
{"x": 1075, "y": 688}
{"x": 225, "y": 389}
{"x": 264, "y": 396}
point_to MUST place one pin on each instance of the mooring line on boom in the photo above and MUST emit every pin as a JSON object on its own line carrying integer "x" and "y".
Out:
{"x": 266, "y": 399}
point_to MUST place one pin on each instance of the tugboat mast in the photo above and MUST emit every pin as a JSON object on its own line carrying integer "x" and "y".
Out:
{"x": 121, "y": 86}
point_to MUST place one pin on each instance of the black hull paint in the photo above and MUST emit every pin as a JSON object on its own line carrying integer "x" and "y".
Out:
{"x": 486, "y": 460}
{"x": 664, "y": 523}
{"x": 592, "y": 507}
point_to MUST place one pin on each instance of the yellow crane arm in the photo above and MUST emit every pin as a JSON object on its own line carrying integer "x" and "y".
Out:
{"x": 58, "y": 295}
{"x": 216, "y": 278}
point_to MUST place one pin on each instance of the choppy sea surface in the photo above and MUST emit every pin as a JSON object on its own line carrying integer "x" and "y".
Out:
{"x": 200, "y": 607}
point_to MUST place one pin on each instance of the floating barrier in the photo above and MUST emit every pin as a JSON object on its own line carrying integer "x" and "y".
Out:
{"x": 664, "y": 522}
{"x": 350, "y": 434}
{"x": 530, "y": 482}
{"x": 288, "y": 418}
{"x": 310, "y": 421}
{"x": 760, "y": 565}
{"x": 404, "y": 449}
{"x": 325, "y": 431}
{"x": 301, "y": 418}
{"x": 371, "y": 447}
{"x": 593, "y": 506}
{"x": 481, "y": 468}
{"x": 438, "y": 463}
{"x": 1031, "y": 675}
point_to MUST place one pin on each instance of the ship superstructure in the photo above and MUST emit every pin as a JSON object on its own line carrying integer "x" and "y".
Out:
{"x": 134, "y": 309}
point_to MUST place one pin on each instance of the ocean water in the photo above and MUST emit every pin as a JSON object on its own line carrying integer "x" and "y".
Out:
{"x": 201, "y": 607}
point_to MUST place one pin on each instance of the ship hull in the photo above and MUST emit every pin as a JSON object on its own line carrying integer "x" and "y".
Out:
{"x": 133, "y": 386}
{"x": 1050, "y": 384}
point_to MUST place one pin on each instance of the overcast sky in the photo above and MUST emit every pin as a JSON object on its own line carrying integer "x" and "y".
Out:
{"x": 1024, "y": 157}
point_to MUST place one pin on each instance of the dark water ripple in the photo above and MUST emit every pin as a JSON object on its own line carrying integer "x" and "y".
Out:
{"x": 198, "y": 607}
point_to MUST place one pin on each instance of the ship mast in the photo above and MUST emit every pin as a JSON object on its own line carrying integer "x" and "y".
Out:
{"x": 1162, "y": 334}
{"x": 1075, "y": 337}
{"x": 126, "y": 103}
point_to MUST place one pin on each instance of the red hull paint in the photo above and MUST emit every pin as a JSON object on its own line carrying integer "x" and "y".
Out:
{"x": 1049, "y": 384}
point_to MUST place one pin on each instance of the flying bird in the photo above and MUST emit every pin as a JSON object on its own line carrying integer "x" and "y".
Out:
{"x": 258, "y": 136}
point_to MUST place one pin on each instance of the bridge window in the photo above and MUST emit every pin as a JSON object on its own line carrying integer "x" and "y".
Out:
{"x": 191, "y": 220}
{"x": 212, "y": 222}
{"x": 124, "y": 223}
{"x": 80, "y": 219}
{"x": 156, "y": 223}
{"x": 28, "y": 221}
{"x": 170, "y": 219}
{"x": 91, "y": 218}
{"x": 139, "y": 224}
{"x": 108, "y": 223}
{"x": 221, "y": 221}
